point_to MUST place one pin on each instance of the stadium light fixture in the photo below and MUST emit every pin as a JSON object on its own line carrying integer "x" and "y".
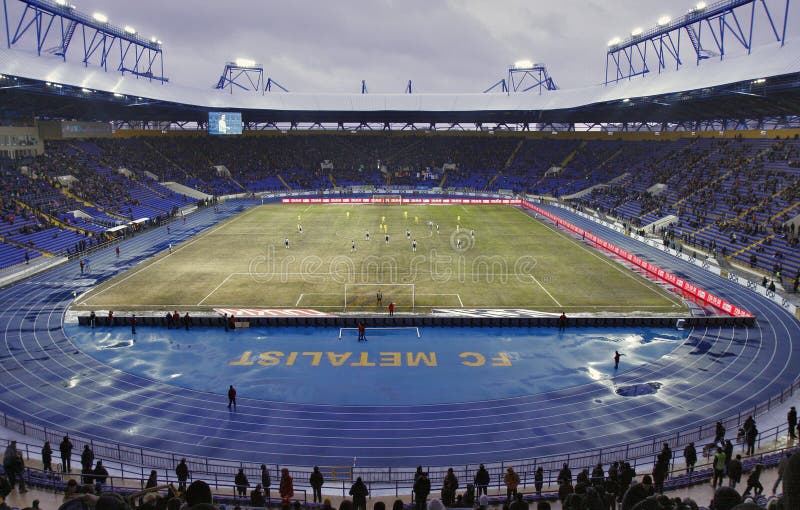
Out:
{"x": 100, "y": 17}
{"x": 664, "y": 20}
{"x": 245, "y": 62}
{"x": 759, "y": 81}
{"x": 523, "y": 64}
{"x": 86, "y": 91}
{"x": 637, "y": 31}
{"x": 626, "y": 100}
{"x": 614, "y": 41}
{"x": 117, "y": 94}
{"x": 158, "y": 41}
{"x": 700, "y": 6}
{"x": 130, "y": 30}
{"x": 62, "y": 3}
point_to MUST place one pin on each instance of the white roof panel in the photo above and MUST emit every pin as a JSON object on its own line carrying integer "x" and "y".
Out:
{"x": 765, "y": 61}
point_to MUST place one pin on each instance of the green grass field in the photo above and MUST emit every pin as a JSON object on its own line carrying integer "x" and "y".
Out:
{"x": 513, "y": 261}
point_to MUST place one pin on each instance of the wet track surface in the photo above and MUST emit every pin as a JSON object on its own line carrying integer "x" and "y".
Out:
{"x": 46, "y": 379}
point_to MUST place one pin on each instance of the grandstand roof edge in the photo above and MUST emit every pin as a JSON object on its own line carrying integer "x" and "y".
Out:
{"x": 764, "y": 62}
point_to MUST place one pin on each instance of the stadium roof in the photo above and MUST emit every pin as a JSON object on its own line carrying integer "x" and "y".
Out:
{"x": 729, "y": 88}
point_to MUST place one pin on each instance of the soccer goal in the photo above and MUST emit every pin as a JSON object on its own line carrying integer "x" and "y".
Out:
{"x": 364, "y": 296}
{"x": 387, "y": 199}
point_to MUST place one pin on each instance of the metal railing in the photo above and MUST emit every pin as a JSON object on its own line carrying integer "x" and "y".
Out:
{"x": 134, "y": 462}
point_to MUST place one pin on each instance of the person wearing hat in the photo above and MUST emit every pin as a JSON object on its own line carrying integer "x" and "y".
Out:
{"x": 690, "y": 457}
{"x": 359, "y": 492}
{"x": 422, "y": 488}
{"x": 9, "y": 461}
{"x": 287, "y": 485}
{"x": 257, "y": 498}
{"x": 182, "y": 472}
{"x": 482, "y": 480}
{"x": 242, "y": 483}
{"x": 100, "y": 477}
{"x": 65, "y": 448}
{"x": 511, "y": 480}
{"x": 754, "y": 482}
{"x": 316, "y": 480}
{"x": 449, "y": 488}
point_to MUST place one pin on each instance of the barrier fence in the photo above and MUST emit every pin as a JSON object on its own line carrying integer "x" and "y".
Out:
{"x": 135, "y": 463}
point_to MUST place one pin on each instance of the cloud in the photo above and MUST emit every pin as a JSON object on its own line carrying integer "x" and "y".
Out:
{"x": 443, "y": 46}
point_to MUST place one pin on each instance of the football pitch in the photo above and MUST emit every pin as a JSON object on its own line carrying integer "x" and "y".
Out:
{"x": 318, "y": 256}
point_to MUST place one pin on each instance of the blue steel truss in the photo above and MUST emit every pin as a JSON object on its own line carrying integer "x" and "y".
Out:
{"x": 243, "y": 77}
{"x": 709, "y": 30}
{"x": 525, "y": 79}
{"x": 54, "y": 26}
{"x": 247, "y": 78}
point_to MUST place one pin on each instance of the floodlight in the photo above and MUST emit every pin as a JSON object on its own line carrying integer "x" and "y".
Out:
{"x": 100, "y": 17}
{"x": 626, "y": 100}
{"x": 663, "y": 20}
{"x": 245, "y": 62}
{"x": 130, "y": 30}
{"x": 154, "y": 39}
{"x": 700, "y": 6}
{"x": 614, "y": 41}
{"x": 62, "y": 3}
{"x": 117, "y": 94}
{"x": 523, "y": 64}
{"x": 759, "y": 81}
{"x": 637, "y": 31}
{"x": 158, "y": 42}
{"x": 86, "y": 91}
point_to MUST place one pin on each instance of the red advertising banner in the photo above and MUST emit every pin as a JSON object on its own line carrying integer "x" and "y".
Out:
{"x": 456, "y": 201}
{"x": 666, "y": 276}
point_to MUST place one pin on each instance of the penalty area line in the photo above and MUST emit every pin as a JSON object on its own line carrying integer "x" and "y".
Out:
{"x": 545, "y": 290}
{"x": 215, "y": 289}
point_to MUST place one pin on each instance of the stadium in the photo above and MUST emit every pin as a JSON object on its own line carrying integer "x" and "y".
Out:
{"x": 528, "y": 277}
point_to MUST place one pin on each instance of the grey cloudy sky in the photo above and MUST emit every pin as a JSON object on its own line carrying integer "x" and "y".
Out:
{"x": 330, "y": 46}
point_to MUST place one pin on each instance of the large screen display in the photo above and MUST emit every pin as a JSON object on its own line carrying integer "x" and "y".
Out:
{"x": 224, "y": 123}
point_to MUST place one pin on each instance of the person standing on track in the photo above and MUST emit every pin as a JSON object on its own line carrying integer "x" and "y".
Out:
{"x": 391, "y": 309}
{"x": 232, "y": 397}
{"x": 379, "y": 297}
{"x": 66, "y": 454}
{"x": 616, "y": 359}
{"x": 362, "y": 332}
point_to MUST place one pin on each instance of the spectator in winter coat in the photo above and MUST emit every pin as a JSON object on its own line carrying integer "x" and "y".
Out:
{"x": 482, "y": 480}
{"x": 287, "y": 485}
{"x": 735, "y": 471}
{"x": 511, "y": 480}
{"x": 359, "y": 493}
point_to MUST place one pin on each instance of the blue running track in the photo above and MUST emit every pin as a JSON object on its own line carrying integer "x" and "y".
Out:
{"x": 46, "y": 379}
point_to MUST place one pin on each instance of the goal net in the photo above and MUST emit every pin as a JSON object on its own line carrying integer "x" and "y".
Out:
{"x": 364, "y": 296}
{"x": 387, "y": 199}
